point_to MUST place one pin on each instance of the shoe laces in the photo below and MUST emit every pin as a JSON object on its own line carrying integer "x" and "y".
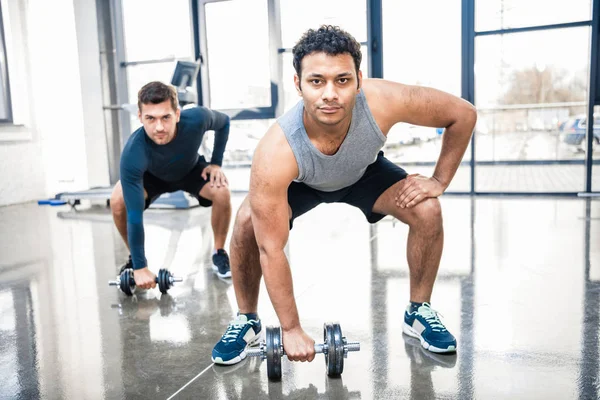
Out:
{"x": 432, "y": 317}
{"x": 233, "y": 330}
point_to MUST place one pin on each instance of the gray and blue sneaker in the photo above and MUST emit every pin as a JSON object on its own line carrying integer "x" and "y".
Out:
{"x": 425, "y": 325}
{"x": 221, "y": 264}
{"x": 240, "y": 334}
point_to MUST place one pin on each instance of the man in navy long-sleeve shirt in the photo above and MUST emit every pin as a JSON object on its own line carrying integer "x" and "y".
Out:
{"x": 162, "y": 157}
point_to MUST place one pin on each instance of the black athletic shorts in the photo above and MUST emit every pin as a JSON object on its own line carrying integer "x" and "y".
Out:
{"x": 191, "y": 183}
{"x": 378, "y": 177}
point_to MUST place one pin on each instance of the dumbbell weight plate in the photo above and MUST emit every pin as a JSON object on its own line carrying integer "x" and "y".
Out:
{"x": 273, "y": 345}
{"x": 163, "y": 280}
{"x": 126, "y": 285}
{"x": 334, "y": 359}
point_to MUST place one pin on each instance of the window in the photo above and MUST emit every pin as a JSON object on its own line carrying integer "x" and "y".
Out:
{"x": 418, "y": 53}
{"x": 154, "y": 30}
{"x": 527, "y": 85}
{"x": 425, "y": 52}
{"x": 299, "y": 16}
{"x": 506, "y": 14}
{"x": 237, "y": 37}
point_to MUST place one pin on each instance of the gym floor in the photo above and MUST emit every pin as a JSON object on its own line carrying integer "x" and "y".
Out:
{"x": 519, "y": 286}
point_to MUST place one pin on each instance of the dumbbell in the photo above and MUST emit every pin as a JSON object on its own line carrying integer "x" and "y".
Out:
{"x": 335, "y": 348}
{"x": 126, "y": 282}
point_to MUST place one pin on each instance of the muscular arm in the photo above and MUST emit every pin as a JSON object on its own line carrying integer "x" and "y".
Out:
{"x": 393, "y": 102}
{"x": 273, "y": 169}
{"x": 218, "y": 122}
{"x": 133, "y": 165}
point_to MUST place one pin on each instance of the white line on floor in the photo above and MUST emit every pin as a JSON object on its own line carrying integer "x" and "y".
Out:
{"x": 193, "y": 379}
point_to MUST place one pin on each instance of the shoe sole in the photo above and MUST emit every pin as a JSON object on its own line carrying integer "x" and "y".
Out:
{"x": 242, "y": 355}
{"x": 407, "y": 329}
{"x": 220, "y": 275}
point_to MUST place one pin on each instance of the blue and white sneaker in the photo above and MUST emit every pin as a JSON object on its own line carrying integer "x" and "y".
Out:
{"x": 425, "y": 325}
{"x": 240, "y": 334}
{"x": 221, "y": 264}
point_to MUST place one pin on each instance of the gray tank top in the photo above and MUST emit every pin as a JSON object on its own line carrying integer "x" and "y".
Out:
{"x": 358, "y": 150}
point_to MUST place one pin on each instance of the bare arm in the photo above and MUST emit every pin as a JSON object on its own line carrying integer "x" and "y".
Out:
{"x": 393, "y": 102}
{"x": 273, "y": 169}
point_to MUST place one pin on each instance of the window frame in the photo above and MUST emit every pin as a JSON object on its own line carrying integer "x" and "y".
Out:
{"x": 5, "y": 75}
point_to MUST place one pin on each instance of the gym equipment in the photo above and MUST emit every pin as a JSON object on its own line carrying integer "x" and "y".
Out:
{"x": 184, "y": 79}
{"x": 74, "y": 198}
{"x": 126, "y": 282}
{"x": 179, "y": 199}
{"x": 335, "y": 348}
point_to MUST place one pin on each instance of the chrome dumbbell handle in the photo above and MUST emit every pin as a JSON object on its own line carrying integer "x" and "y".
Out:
{"x": 319, "y": 348}
{"x": 171, "y": 279}
{"x": 260, "y": 351}
{"x": 348, "y": 346}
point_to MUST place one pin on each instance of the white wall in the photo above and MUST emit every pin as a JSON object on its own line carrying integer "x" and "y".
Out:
{"x": 57, "y": 142}
{"x": 21, "y": 170}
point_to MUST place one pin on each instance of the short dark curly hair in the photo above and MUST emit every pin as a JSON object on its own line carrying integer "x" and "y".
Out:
{"x": 329, "y": 39}
{"x": 157, "y": 92}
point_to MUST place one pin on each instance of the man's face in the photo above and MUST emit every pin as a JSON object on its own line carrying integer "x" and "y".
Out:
{"x": 160, "y": 121}
{"x": 329, "y": 85}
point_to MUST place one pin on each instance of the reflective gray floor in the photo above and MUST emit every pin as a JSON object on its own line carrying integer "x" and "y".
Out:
{"x": 519, "y": 286}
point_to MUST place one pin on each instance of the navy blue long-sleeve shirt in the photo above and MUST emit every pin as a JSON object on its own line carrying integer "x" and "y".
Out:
{"x": 170, "y": 162}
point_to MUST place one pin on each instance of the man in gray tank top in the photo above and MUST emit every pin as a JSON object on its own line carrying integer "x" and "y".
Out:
{"x": 327, "y": 149}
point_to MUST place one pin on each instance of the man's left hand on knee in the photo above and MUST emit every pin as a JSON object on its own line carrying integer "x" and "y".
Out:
{"x": 415, "y": 188}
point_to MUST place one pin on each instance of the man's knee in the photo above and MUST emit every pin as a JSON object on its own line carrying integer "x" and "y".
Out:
{"x": 218, "y": 195}
{"x": 117, "y": 203}
{"x": 429, "y": 211}
{"x": 242, "y": 228}
{"x": 243, "y": 219}
{"x": 222, "y": 195}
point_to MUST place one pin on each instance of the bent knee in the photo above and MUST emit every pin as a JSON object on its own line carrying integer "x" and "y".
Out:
{"x": 221, "y": 195}
{"x": 244, "y": 216}
{"x": 429, "y": 210}
{"x": 117, "y": 202}
{"x": 215, "y": 194}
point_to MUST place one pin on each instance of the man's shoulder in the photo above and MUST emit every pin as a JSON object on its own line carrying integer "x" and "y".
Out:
{"x": 375, "y": 89}
{"x": 135, "y": 150}
{"x": 274, "y": 140}
{"x": 195, "y": 113}
{"x": 192, "y": 111}
{"x": 384, "y": 99}
{"x": 273, "y": 164}
{"x": 194, "y": 118}
{"x": 274, "y": 149}
{"x": 136, "y": 141}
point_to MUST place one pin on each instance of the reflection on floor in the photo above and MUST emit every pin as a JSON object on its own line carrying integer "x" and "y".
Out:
{"x": 519, "y": 286}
